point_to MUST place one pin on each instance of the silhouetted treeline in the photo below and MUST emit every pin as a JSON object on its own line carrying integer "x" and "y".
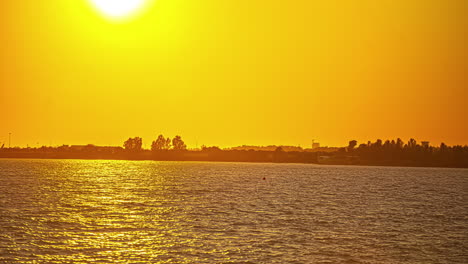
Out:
{"x": 396, "y": 152}
{"x": 388, "y": 153}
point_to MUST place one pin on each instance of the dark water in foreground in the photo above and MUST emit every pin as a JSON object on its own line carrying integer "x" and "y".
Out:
{"x": 62, "y": 211}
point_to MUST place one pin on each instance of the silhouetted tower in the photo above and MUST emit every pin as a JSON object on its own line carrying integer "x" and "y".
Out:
{"x": 9, "y": 140}
{"x": 315, "y": 144}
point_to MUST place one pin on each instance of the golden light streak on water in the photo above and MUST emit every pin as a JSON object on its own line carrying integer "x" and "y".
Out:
{"x": 169, "y": 212}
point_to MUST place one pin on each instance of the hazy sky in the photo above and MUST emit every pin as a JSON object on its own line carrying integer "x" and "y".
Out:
{"x": 227, "y": 73}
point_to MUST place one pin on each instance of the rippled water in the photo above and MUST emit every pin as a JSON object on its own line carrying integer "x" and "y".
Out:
{"x": 62, "y": 211}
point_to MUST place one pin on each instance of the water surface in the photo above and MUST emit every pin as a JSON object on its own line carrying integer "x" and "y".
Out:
{"x": 62, "y": 211}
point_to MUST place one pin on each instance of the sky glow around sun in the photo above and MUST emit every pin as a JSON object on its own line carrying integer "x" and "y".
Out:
{"x": 119, "y": 9}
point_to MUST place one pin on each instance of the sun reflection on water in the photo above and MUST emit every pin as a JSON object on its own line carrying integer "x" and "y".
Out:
{"x": 103, "y": 209}
{"x": 151, "y": 212}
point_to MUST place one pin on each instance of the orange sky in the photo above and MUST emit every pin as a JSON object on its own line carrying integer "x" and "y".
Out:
{"x": 238, "y": 72}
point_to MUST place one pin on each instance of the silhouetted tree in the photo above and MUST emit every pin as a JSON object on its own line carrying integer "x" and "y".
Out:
{"x": 387, "y": 144}
{"x": 178, "y": 143}
{"x": 443, "y": 147}
{"x": 133, "y": 144}
{"x": 399, "y": 143}
{"x": 377, "y": 144}
{"x": 412, "y": 143}
{"x": 161, "y": 143}
{"x": 167, "y": 145}
{"x": 352, "y": 144}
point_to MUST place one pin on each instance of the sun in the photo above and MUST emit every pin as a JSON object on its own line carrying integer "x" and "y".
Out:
{"x": 119, "y": 9}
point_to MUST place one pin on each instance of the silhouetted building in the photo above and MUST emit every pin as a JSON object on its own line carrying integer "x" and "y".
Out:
{"x": 425, "y": 144}
{"x": 315, "y": 145}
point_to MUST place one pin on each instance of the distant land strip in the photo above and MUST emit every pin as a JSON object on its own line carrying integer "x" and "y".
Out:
{"x": 379, "y": 153}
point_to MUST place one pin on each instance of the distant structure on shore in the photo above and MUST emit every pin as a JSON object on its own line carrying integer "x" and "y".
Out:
{"x": 315, "y": 145}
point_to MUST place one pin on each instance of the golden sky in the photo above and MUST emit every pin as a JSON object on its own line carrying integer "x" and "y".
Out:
{"x": 228, "y": 73}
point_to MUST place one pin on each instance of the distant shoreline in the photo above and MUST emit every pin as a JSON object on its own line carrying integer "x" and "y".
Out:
{"x": 378, "y": 153}
{"x": 199, "y": 156}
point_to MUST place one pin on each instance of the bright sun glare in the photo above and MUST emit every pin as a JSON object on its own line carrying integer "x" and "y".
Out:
{"x": 119, "y": 9}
